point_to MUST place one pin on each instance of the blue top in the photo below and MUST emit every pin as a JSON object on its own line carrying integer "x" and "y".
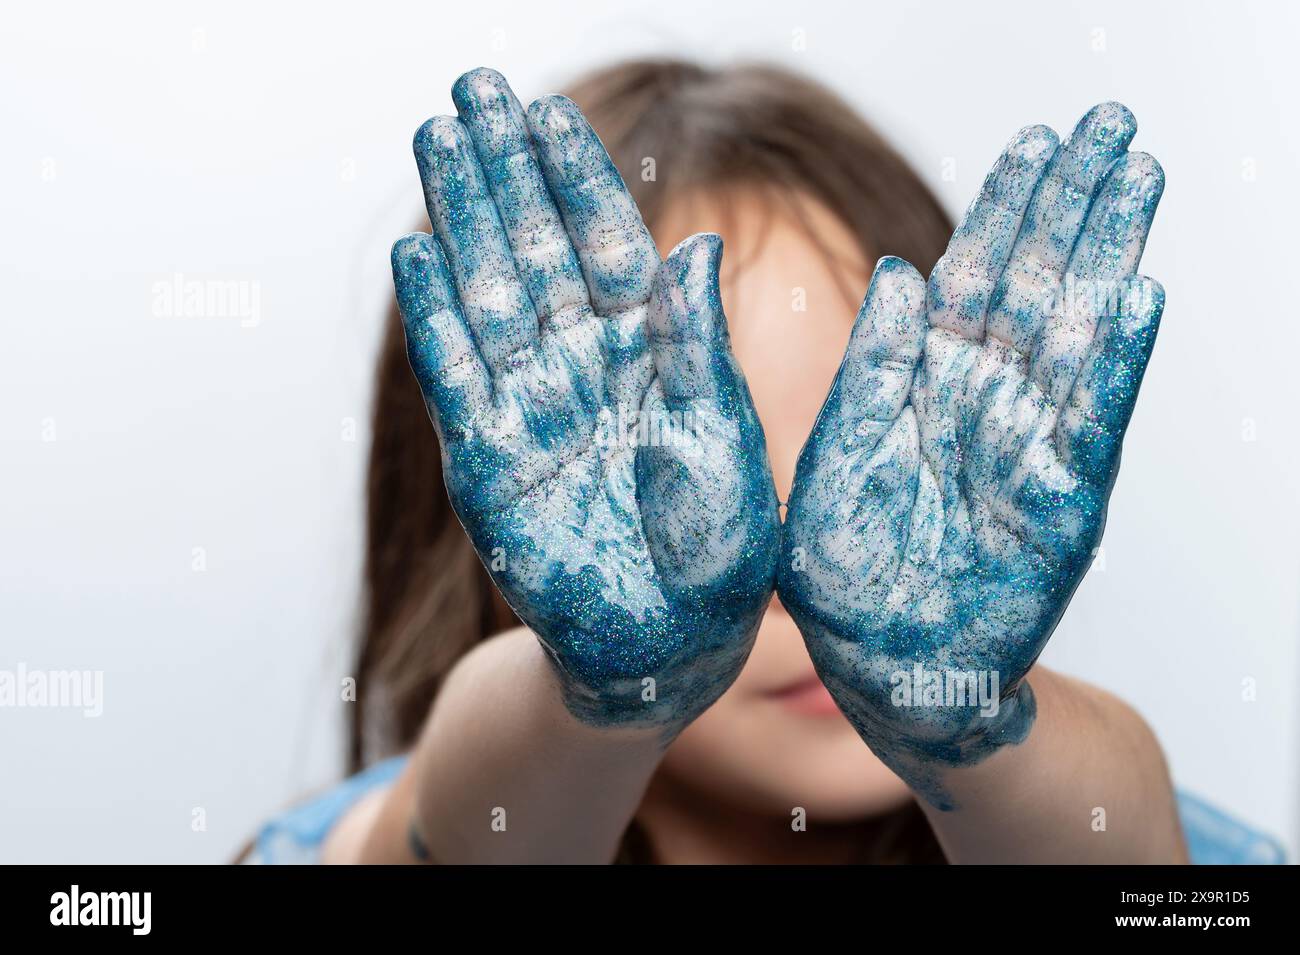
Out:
{"x": 295, "y": 836}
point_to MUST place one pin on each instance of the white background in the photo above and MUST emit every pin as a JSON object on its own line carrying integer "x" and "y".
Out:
{"x": 270, "y": 145}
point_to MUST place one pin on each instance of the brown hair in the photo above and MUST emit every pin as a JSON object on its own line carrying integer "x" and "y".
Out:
{"x": 428, "y": 598}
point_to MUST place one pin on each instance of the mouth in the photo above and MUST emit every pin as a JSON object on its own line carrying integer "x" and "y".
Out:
{"x": 806, "y": 697}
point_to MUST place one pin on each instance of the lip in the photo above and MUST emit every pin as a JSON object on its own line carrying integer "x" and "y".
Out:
{"x": 807, "y": 697}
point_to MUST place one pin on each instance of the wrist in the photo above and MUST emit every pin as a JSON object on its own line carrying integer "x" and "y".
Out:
{"x": 660, "y": 699}
{"x": 924, "y": 736}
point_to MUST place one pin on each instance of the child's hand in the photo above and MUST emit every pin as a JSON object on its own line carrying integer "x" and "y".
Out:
{"x": 954, "y": 488}
{"x": 599, "y": 442}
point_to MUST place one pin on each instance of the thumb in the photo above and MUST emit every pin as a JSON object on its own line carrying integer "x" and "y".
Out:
{"x": 688, "y": 331}
{"x": 875, "y": 377}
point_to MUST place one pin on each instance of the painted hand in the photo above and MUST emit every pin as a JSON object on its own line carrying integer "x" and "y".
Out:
{"x": 954, "y": 488}
{"x": 599, "y": 443}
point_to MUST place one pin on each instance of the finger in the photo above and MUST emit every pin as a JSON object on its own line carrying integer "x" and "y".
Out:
{"x": 1103, "y": 261}
{"x": 439, "y": 346}
{"x": 688, "y": 330}
{"x": 1052, "y": 223}
{"x": 963, "y": 280}
{"x": 872, "y": 385}
{"x": 706, "y": 495}
{"x": 703, "y": 475}
{"x": 1097, "y": 411}
{"x": 615, "y": 250}
{"x": 467, "y": 225}
{"x": 543, "y": 254}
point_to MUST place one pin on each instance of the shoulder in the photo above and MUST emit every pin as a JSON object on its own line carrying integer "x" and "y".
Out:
{"x": 1215, "y": 838}
{"x": 298, "y": 834}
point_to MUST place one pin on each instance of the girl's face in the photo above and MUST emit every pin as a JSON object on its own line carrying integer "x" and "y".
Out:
{"x": 776, "y": 740}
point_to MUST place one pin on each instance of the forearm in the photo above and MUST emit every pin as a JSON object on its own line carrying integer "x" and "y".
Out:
{"x": 1088, "y": 785}
{"x": 504, "y": 773}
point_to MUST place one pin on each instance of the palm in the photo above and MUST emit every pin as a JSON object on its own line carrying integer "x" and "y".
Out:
{"x": 599, "y": 443}
{"x": 954, "y": 488}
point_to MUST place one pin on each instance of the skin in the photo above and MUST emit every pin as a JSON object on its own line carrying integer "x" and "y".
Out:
{"x": 954, "y": 488}
{"x": 505, "y": 732}
{"x": 599, "y": 442}
{"x": 776, "y": 739}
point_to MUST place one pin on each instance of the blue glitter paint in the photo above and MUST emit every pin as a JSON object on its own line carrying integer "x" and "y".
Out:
{"x": 954, "y": 488}
{"x": 537, "y": 314}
